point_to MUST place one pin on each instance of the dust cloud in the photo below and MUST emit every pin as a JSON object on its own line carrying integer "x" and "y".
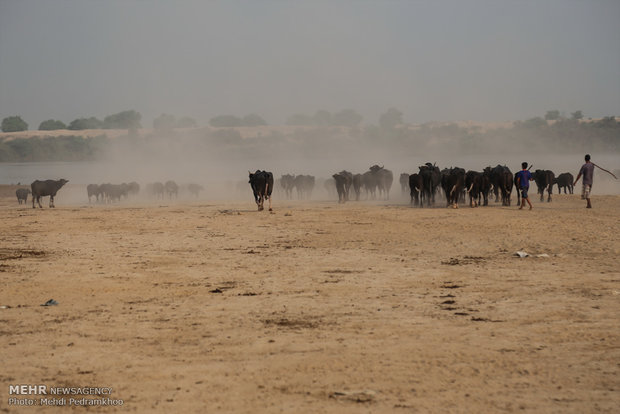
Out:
{"x": 219, "y": 160}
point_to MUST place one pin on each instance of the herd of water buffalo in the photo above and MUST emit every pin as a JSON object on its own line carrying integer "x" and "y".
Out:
{"x": 455, "y": 184}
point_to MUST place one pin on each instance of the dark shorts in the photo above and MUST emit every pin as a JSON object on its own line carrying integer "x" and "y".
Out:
{"x": 524, "y": 192}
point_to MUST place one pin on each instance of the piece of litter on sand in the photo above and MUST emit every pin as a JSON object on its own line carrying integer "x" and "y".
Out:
{"x": 50, "y": 302}
{"x": 521, "y": 254}
{"x": 356, "y": 396}
{"x": 542, "y": 255}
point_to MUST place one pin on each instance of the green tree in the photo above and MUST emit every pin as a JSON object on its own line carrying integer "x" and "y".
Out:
{"x": 391, "y": 118}
{"x": 85, "y": 123}
{"x": 577, "y": 115}
{"x": 123, "y": 120}
{"x": 347, "y": 117}
{"x": 164, "y": 122}
{"x": 51, "y": 125}
{"x": 226, "y": 121}
{"x": 253, "y": 120}
{"x": 14, "y": 124}
{"x": 552, "y": 115}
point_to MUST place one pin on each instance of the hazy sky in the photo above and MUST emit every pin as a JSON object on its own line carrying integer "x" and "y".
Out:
{"x": 444, "y": 60}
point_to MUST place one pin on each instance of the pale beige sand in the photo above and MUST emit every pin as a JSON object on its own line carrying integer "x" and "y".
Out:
{"x": 317, "y": 307}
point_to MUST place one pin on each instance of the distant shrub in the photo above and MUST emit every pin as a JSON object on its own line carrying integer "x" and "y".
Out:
{"x": 123, "y": 120}
{"x": 552, "y": 115}
{"x": 85, "y": 123}
{"x": 51, "y": 125}
{"x": 253, "y": 120}
{"x": 164, "y": 121}
{"x": 576, "y": 115}
{"x": 391, "y": 118}
{"x": 14, "y": 124}
{"x": 346, "y": 117}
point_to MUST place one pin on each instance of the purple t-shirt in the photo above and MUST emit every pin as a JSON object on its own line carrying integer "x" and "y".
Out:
{"x": 524, "y": 178}
{"x": 587, "y": 171}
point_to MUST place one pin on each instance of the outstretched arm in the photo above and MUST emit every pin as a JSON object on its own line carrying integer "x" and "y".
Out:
{"x": 577, "y": 179}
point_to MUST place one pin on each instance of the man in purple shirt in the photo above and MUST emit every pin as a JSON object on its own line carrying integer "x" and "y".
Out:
{"x": 523, "y": 183}
{"x": 587, "y": 170}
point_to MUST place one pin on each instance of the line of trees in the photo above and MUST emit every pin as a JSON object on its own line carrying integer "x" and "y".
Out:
{"x": 122, "y": 120}
{"x": 131, "y": 120}
{"x": 564, "y": 135}
{"x": 61, "y": 148}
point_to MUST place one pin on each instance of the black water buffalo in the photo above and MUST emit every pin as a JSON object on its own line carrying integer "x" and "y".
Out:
{"x": 304, "y": 185}
{"x": 473, "y": 184}
{"x": 171, "y": 189}
{"x": 517, "y": 184}
{"x": 384, "y": 179}
{"x": 133, "y": 188}
{"x": 22, "y": 195}
{"x": 46, "y": 188}
{"x": 195, "y": 189}
{"x": 502, "y": 181}
{"x": 369, "y": 181}
{"x": 453, "y": 184}
{"x": 262, "y": 186}
{"x": 348, "y": 181}
{"x": 415, "y": 188}
{"x": 358, "y": 181}
{"x": 404, "y": 182}
{"x": 343, "y": 182}
{"x": 287, "y": 182}
{"x": 565, "y": 180}
{"x": 431, "y": 178}
{"x": 544, "y": 181}
{"x": 485, "y": 188}
{"x": 113, "y": 192}
{"x": 93, "y": 190}
{"x": 157, "y": 190}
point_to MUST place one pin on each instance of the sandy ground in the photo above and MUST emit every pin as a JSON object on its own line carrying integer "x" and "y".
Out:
{"x": 183, "y": 306}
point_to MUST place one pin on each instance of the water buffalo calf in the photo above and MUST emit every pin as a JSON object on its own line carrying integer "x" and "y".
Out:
{"x": 22, "y": 195}
{"x": 565, "y": 180}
